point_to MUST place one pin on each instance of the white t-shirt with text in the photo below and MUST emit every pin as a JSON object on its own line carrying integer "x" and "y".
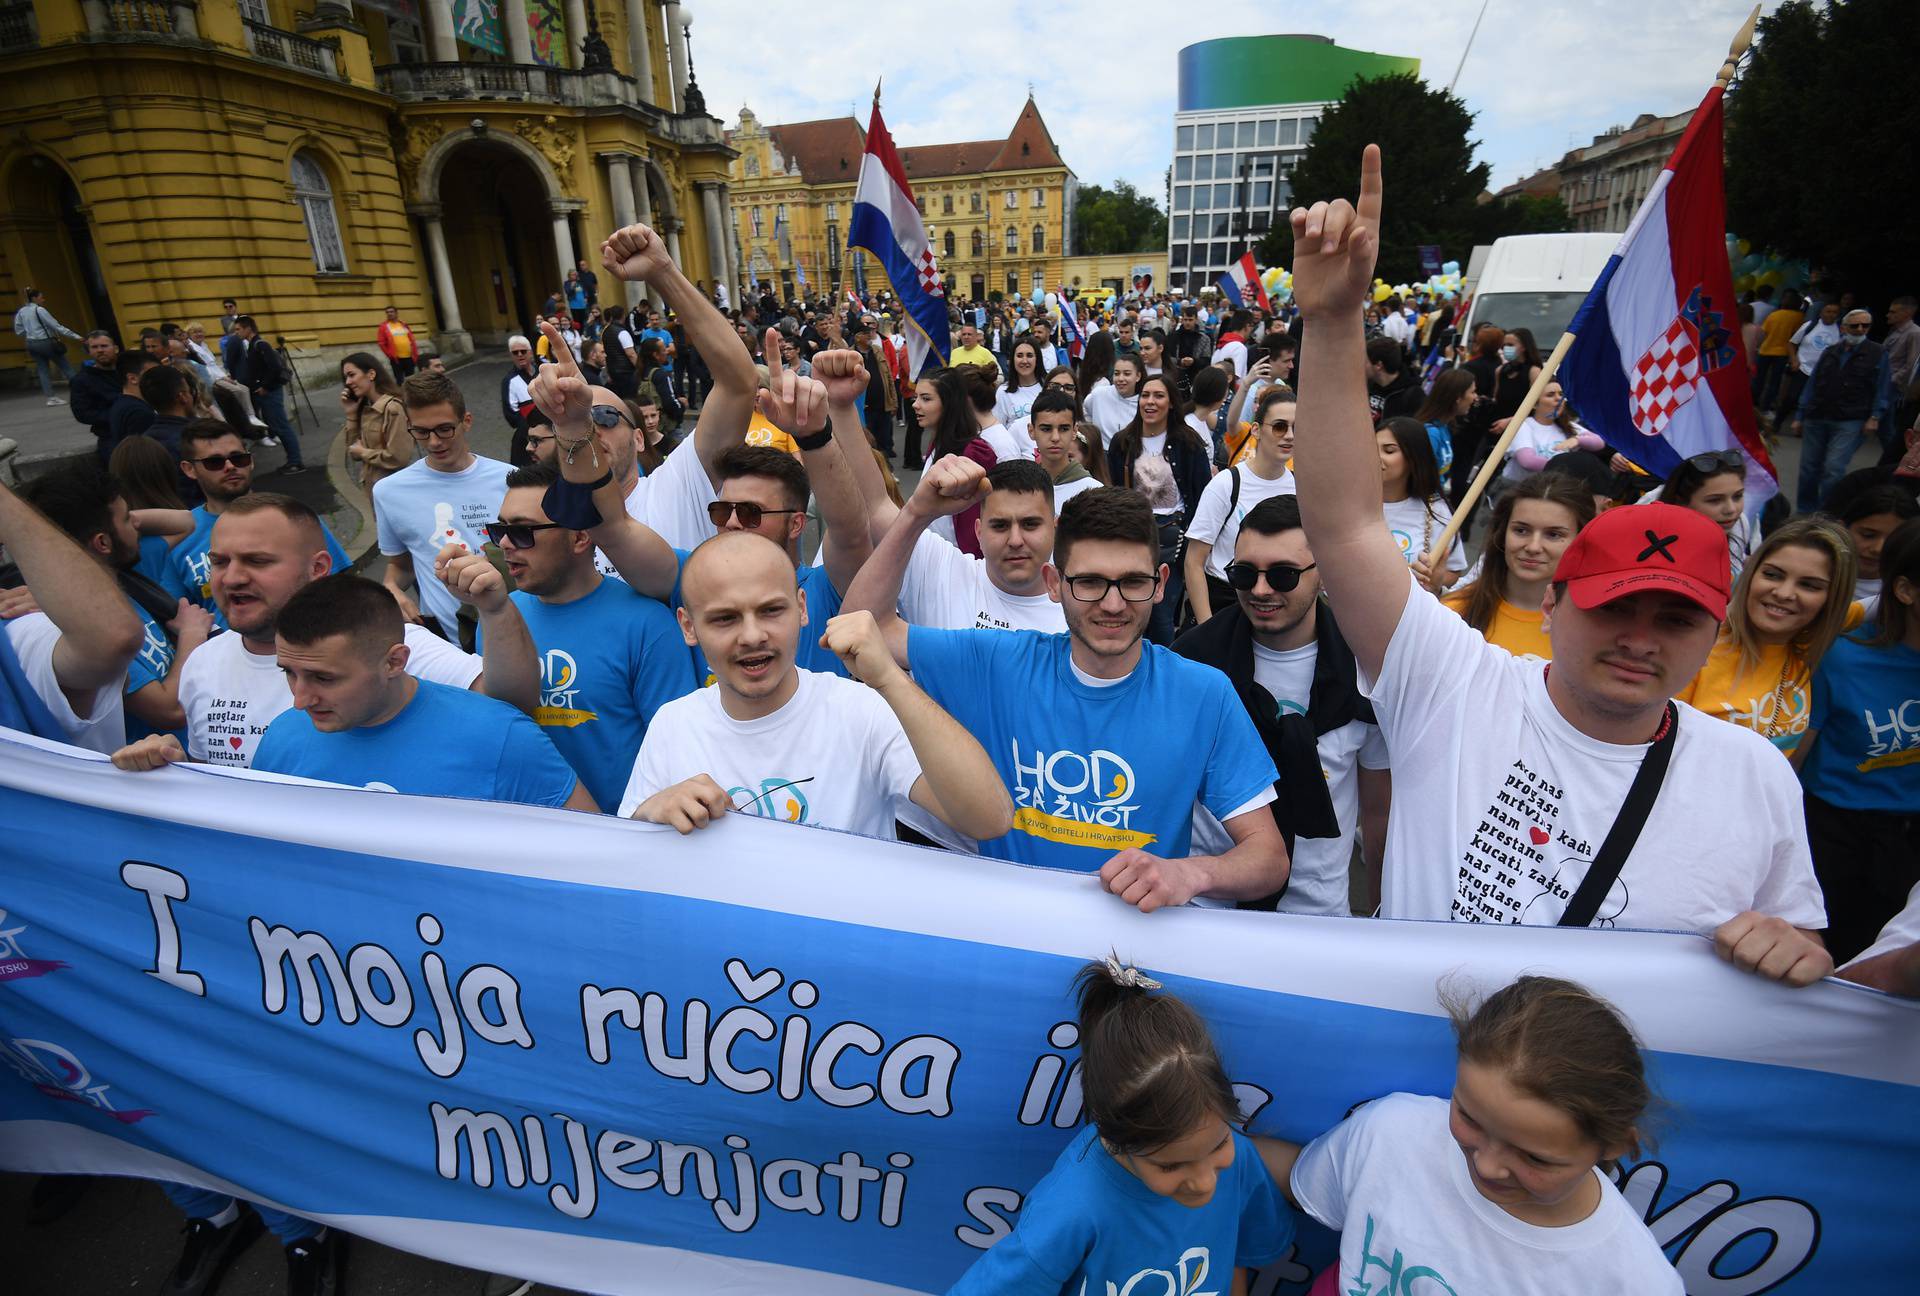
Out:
{"x": 950, "y": 590}
{"x": 1212, "y": 523}
{"x": 420, "y": 509}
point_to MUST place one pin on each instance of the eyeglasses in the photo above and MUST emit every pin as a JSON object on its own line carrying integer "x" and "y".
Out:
{"x": 1279, "y": 425}
{"x": 214, "y": 463}
{"x": 1280, "y": 577}
{"x": 1718, "y": 461}
{"x": 445, "y": 431}
{"x": 1093, "y": 589}
{"x": 1857, "y": 328}
{"x": 515, "y": 535}
{"x": 749, "y": 514}
{"x": 535, "y": 442}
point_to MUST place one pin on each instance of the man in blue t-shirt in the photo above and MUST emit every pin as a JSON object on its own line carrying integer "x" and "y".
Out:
{"x": 362, "y": 720}
{"x": 215, "y": 459}
{"x": 609, "y": 658}
{"x": 1106, "y": 742}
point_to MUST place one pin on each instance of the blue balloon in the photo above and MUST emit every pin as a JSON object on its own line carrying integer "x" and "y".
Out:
{"x": 1450, "y": 268}
{"x": 1037, "y": 297}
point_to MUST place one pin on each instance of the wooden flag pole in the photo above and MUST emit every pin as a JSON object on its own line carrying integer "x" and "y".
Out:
{"x": 1496, "y": 457}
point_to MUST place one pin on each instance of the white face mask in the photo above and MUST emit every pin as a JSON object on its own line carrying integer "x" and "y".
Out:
{"x": 1509, "y": 354}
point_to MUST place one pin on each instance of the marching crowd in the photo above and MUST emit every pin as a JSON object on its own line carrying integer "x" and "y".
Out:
{"x": 1167, "y": 605}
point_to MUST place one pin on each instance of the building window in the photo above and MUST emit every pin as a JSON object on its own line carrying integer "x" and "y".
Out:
{"x": 1183, "y": 138}
{"x": 255, "y": 11}
{"x": 1243, "y": 136}
{"x": 1013, "y": 239}
{"x": 1039, "y": 282}
{"x": 1183, "y": 168}
{"x": 780, "y": 216}
{"x": 1182, "y": 197}
{"x": 974, "y": 200}
{"x": 833, "y": 247}
{"x": 920, "y": 204}
{"x": 1203, "y": 167}
{"x": 1306, "y": 129}
{"x": 1290, "y": 131}
{"x": 1222, "y": 194}
{"x": 1262, "y": 194}
{"x": 1039, "y": 239}
{"x": 1039, "y": 197}
{"x": 1265, "y": 139}
{"x": 948, "y": 243}
{"x": 1180, "y": 227}
{"x": 1260, "y": 222}
{"x": 833, "y": 211}
{"x": 315, "y": 196}
{"x": 1013, "y": 202}
{"x": 1013, "y": 284}
{"x": 977, "y": 242}
{"x": 946, "y": 204}
{"x": 754, "y": 217}
{"x": 1179, "y": 254}
{"x": 1203, "y": 137}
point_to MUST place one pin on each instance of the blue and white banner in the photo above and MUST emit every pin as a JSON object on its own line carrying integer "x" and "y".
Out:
{"x": 597, "y": 1054}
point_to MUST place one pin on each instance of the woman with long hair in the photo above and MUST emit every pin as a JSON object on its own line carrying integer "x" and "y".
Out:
{"x": 1549, "y": 429}
{"x": 1788, "y": 606}
{"x": 1520, "y": 363}
{"x": 1861, "y": 798}
{"x": 1112, "y": 403}
{"x": 1415, "y": 510}
{"x": 148, "y": 476}
{"x": 944, "y": 410}
{"x": 1532, "y": 526}
{"x": 1096, "y": 362}
{"x": 1470, "y": 433}
{"x": 1448, "y": 402}
{"x": 377, "y": 433}
{"x": 1023, "y": 384}
{"x": 1159, "y": 431}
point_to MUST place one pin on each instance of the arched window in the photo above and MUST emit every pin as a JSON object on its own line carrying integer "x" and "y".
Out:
{"x": 949, "y": 243}
{"x": 1013, "y": 239}
{"x": 979, "y": 243}
{"x": 946, "y": 204}
{"x": 1039, "y": 238}
{"x": 315, "y": 196}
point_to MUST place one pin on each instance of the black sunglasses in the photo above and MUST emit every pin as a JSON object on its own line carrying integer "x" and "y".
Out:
{"x": 214, "y": 463}
{"x": 1280, "y": 577}
{"x": 749, "y": 514}
{"x": 609, "y": 416}
{"x": 515, "y": 535}
{"x": 1718, "y": 460}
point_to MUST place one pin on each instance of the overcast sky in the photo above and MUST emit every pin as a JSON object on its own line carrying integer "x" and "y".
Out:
{"x": 1543, "y": 76}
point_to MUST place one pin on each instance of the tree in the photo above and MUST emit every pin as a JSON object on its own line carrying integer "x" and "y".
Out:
{"x": 1523, "y": 214}
{"x": 1823, "y": 141}
{"x": 1120, "y": 219}
{"x": 1432, "y": 182}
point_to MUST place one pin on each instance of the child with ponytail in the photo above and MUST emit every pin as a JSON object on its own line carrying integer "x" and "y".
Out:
{"x": 1161, "y": 1182}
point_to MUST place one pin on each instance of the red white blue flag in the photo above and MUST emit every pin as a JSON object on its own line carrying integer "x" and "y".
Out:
{"x": 1656, "y": 366}
{"x": 1241, "y": 284}
{"x": 887, "y": 227}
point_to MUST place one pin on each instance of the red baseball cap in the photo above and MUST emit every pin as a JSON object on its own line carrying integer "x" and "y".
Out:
{"x": 1639, "y": 547}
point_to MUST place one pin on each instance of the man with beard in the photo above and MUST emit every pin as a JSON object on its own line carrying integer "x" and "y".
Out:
{"x": 1294, "y": 674}
{"x": 1078, "y": 725}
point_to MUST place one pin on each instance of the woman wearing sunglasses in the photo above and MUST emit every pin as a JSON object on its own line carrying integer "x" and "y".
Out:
{"x": 1788, "y": 606}
{"x": 1532, "y": 526}
{"x": 1231, "y": 495}
{"x": 1714, "y": 485}
{"x": 376, "y": 420}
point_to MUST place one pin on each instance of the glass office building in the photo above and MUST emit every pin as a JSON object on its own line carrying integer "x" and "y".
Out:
{"x": 1247, "y": 109}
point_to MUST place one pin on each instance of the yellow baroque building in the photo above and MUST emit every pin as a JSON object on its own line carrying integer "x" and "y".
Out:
{"x": 998, "y": 212}
{"x": 452, "y": 157}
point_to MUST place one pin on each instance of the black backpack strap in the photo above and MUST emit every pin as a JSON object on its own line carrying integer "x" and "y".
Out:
{"x": 1626, "y": 828}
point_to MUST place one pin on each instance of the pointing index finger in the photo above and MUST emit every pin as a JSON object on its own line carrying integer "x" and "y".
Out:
{"x": 1370, "y": 186}
{"x": 770, "y": 347}
{"x": 558, "y": 351}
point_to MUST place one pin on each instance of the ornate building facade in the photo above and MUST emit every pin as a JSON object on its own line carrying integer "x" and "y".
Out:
{"x": 448, "y": 156}
{"x": 997, "y": 211}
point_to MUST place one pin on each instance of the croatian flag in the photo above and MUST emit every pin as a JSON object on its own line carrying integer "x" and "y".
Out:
{"x": 1069, "y": 325}
{"x": 887, "y": 227}
{"x": 1656, "y": 366}
{"x": 1241, "y": 284}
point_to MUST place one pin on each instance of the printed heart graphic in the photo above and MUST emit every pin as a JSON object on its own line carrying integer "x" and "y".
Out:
{"x": 235, "y": 741}
{"x": 752, "y": 987}
{"x": 1539, "y": 836}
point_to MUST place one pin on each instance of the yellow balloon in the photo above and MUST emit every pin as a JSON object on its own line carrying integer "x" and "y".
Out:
{"x": 1381, "y": 292}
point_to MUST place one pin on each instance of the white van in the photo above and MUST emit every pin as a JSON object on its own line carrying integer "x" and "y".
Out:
{"x": 1537, "y": 282}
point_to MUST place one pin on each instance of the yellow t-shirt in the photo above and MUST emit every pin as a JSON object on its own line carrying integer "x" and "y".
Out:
{"x": 1776, "y": 331}
{"x": 762, "y": 433}
{"x": 1774, "y": 698}
{"x": 402, "y": 338}
{"x": 1515, "y": 629}
{"x": 971, "y": 356}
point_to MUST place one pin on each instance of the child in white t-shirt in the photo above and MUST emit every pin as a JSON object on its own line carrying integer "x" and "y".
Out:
{"x": 1502, "y": 1189}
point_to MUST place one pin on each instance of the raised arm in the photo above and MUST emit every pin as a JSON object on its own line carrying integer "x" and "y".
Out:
{"x": 957, "y": 780}
{"x": 99, "y": 631}
{"x": 645, "y": 562}
{"x": 637, "y": 253}
{"x": 946, "y": 488}
{"x": 846, "y": 389}
{"x": 1334, "y": 461}
{"x": 798, "y": 407}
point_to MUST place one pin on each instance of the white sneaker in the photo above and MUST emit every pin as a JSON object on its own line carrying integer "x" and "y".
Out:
{"x": 267, "y": 440}
{"x": 256, "y": 420}
{"x": 55, "y": 400}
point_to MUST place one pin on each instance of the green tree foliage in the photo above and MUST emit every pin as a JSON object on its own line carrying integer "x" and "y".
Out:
{"x": 1433, "y": 184}
{"x": 1823, "y": 143}
{"x": 1120, "y": 219}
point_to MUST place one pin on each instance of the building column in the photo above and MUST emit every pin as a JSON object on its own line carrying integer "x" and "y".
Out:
{"x": 676, "y": 55}
{"x": 718, "y": 235}
{"x": 643, "y": 212}
{"x": 733, "y": 257}
{"x": 96, "y": 15}
{"x": 513, "y": 25}
{"x": 639, "y": 54}
{"x": 442, "y": 273}
{"x": 620, "y": 181}
{"x": 576, "y": 20}
{"x": 441, "y": 45}
{"x": 673, "y": 243}
{"x": 563, "y": 239}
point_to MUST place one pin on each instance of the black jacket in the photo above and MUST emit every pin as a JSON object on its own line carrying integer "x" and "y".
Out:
{"x": 1402, "y": 396}
{"x": 93, "y": 391}
{"x": 1192, "y": 469}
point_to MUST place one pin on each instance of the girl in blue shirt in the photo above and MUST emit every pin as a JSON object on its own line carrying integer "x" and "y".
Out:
{"x": 1161, "y": 1191}
{"x": 1857, "y": 760}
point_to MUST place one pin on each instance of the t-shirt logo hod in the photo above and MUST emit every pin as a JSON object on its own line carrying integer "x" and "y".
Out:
{"x": 1077, "y": 799}
{"x": 559, "y": 685}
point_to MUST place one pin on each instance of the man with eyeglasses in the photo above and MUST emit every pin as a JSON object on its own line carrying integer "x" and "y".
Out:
{"x": 214, "y": 458}
{"x": 1107, "y": 742}
{"x": 1846, "y": 396}
{"x": 1295, "y": 676}
{"x": 609, "y": 658}
{"x": 1230, "y": 497}
{"x": 445, "y": 496}
{"x": 760, "y": 489}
